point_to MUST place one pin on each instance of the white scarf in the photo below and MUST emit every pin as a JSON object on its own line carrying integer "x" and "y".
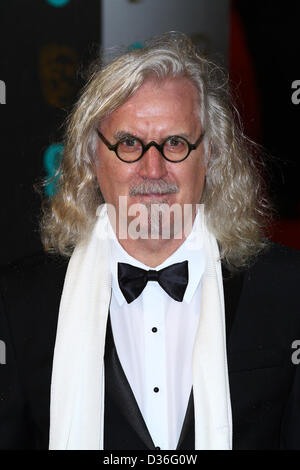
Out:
{"x": 77, "y": 386}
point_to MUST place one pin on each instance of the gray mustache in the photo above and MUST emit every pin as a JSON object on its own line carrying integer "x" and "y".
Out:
{"x": 158, "y": 187}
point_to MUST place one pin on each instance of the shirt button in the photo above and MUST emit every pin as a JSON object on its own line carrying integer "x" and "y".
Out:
{"x": 154, "y": 330}
{"x": 156, "y": 389}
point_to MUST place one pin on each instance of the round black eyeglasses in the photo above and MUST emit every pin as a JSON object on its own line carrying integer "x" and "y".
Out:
{"x": 130, "y": 149}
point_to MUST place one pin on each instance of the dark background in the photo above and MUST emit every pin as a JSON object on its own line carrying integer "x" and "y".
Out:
{"x": 41, "y": 50}
{"x": 267, "y": 33}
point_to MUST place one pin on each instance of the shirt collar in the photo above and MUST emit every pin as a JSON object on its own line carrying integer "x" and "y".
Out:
{"x": 191, "y": 250}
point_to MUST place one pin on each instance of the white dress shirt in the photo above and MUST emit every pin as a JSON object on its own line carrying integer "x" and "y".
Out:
{"x": 154, "y": 337}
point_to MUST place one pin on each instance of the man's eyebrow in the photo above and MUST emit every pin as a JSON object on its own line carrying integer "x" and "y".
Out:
{"x": 122, "y": 133}
{"x": 183, "y": 134}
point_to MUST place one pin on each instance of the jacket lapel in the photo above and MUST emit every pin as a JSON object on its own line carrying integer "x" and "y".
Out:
{"x": 232, "y": 284}
{"x": 187, "y": 435}
{"x": 121, "y": 392}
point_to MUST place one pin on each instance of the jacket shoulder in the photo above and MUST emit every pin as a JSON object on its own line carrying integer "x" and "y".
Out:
{"x": 270, "y": 292}
{"x": 276, "y": 252}
{"x": 277, "y": 263}
{"x": 30, "y": 292}
{"x": 33, "y": 269}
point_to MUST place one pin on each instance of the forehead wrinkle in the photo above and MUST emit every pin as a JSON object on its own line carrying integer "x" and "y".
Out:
{"x": 146, "y": 117}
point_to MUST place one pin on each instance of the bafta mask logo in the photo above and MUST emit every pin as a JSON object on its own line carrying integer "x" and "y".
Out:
{"x": 57, "y": 68}
{"x": 52, "y": 159}
{"x": 58, "y": 3}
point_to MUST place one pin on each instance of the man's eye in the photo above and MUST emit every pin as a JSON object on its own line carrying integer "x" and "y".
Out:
{"x": 174, "y": 141}
{"x": 129, "y": 142}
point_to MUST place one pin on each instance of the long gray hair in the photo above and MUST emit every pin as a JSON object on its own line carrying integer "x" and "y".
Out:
{"x": 236, "y": 208}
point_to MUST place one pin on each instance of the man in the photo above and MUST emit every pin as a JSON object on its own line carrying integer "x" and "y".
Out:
{"x": 172, "y": 324}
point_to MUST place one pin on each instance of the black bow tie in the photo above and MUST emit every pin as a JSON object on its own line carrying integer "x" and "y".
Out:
{"x": 173, "y": 279}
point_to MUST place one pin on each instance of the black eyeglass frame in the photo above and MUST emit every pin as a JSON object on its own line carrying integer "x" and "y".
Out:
{"x": 146, "y": 147}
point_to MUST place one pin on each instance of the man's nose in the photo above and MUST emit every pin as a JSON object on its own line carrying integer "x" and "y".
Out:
{"x": 152, "y": 164}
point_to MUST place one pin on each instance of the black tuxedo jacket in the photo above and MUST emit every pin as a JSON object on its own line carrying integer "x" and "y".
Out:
{"x": 262, "y": 322}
